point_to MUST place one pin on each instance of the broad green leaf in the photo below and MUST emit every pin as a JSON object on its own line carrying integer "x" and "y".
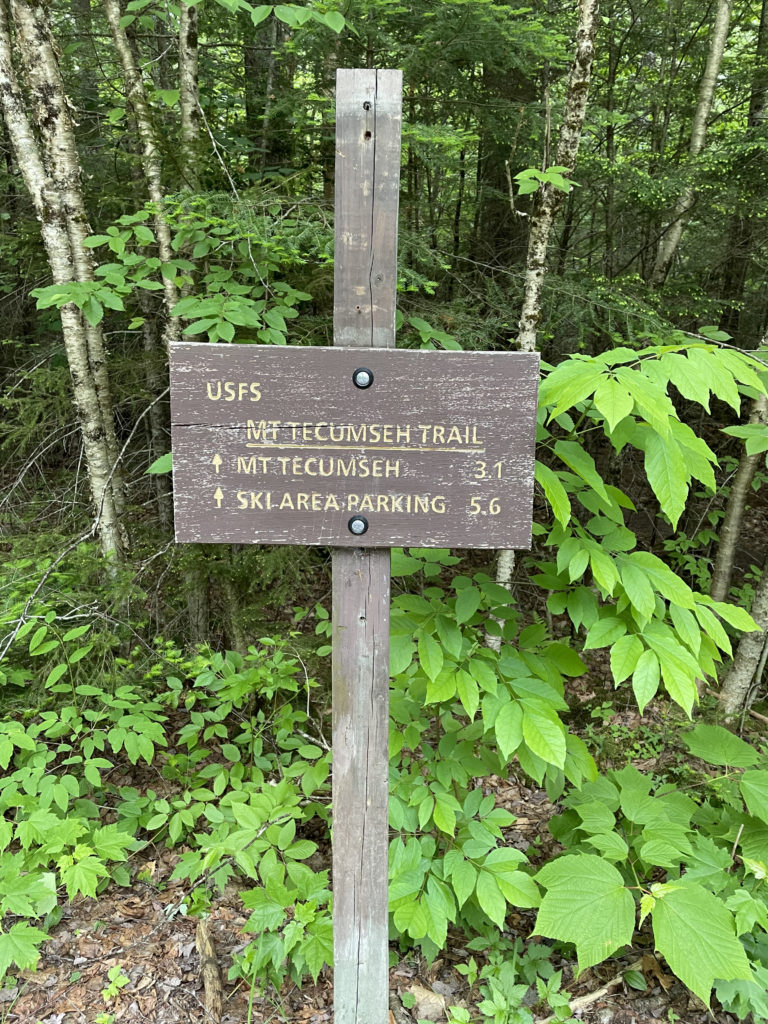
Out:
{"x": 468, "y": 692}
{"x": 582, "y": 464}
{"x": 83, "y": 876}
{"x": 638, "y": 588}
{"x": 667, "y": 474}
{"x": 468, "y": 601}
{"x": 570, "y": 383}
{"x": 430, "y": 656}
{"x": 610, "y": 845}
{"x": 20, "y": 945}
{"x": 490, "y": 898}
{"x": 586, "y": 903}
{"x": 444, "y": 814}
{"x": 651, "y": 400}
{"x": 613, "y": 401}
{"x": 463, "y": 878}
{"x": 334, "y": 20}
{"x": 645, "y": 679}
{"x": 449, "y": 635}
{"x": 162, "y": 464}
{"x": 716, "y": 745}
{"x": 509, "y": 729}
{"x": 606, "y": 631}
{"x": 625, "y": 654}
{"x": 401, "y": 650}
{"x": 261, "y": 13}
{"x": 754, "y": 789}
{"x": 695, "y": 933}
{"x": 554, "y": 492}
{"x": 543, "y": 733}
{"x": 663, "y": 579}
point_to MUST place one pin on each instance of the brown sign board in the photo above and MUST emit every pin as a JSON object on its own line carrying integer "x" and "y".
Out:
{"x": 282, "y": 446}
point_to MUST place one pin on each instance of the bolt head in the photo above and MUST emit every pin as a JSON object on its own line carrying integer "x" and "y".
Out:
{"x": 362, "y": 378}
{"x": 358, "y": 525}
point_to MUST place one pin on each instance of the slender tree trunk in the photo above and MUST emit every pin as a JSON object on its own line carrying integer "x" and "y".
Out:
{"x": 151, "y": 162}
{"x": 549, "y": 199}
{"x": 671, "y": 238}
{"x": 54, "y": 190}
{"x": 189, "y": 100}
{"x": 548, "y": 202}
{"x": 734, "y": 512}
{"x": 743, "y": 678}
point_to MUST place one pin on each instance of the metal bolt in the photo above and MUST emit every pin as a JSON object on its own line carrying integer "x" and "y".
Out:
{"x": 362, "y": 378}
{"x": 357, "y": 525}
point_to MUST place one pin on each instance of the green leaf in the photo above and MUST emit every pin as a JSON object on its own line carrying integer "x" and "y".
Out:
{"x": 170, "y": 97}
{"x": 490, "y": 898}
{"x": 606, "y": 631}
{"x": 20, "y": 945}
{"x": 543, "y": 733}
{"x": 444, "y": 814}
{"x": 571, "y": 382}
{"x": 468, "y": 600}
{"x": 667, "y": 474}
{"x": 754, "y": 789}
{"x": 625, "y": 654}
{"x": 468, "y": 692}
{"x": 582, "y": 464}
{"x": 586, "y": 903}
{"x": 645, "y": 679}
{"x": 83, "y": 876}
{"x": 613, "y": 401}
{"x": 463, "y": 878}
{"x": 638, "y": 589}
{"x": 554, "y": 492}
{"x": 430, "y": 656}
{"x": 509, "y": 729}
{"x": 715, "y": 745}
{"x": 334, "y": 20}
{"x": 261, "y": 13}
{"x": 163, "y": 464}
{"x": 695, "y": 933}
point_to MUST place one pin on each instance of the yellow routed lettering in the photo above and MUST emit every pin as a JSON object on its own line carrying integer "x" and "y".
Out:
{"x": 397, "y": 503}
{"x": 475, "y": 438}
{"x": 387, "y": 434}
{"x": 302, "y": 502}
{"x": 356, "y": 433}
{"x": 377, "y": 467}
{"x": 317, "y": 502}
{"x": 366, "y": 504}
{"x": 307, "y": 470}
{"x": 242, "y": 499}
{"x": 346, "y": 468}
{"x": 336, "y": 433}
{"x": 246, "y": 465}
{"x": 353, "y": 501}
{"x": 294, "y": 428}
{"x": 297, "y": 466}
{"x": 363, "y": 468}
{"x": 382, "y": 503}
{"x": 211, "y": 396}
{"x": 420, "y": 503}
{"x": 283, "y": 460}
{"x": 374, "y": 433}
{"x": 286, "y": 501}
{"x": 438, "y": 435}
{"x": 331, "y": 503}
{"x": 256, "y": 431}
{"x": 424, "y": 428}
{"x": 319, "y": 434}
{"x": 455, "y": 435}
{"x": 438, "y": 504}
{"x": 326, "y": 467}
{"x": 404, "y": 435}
{"x": 392, "y": 467}
{"x": 256, "y": 500}
{"x": 229, "y": 390}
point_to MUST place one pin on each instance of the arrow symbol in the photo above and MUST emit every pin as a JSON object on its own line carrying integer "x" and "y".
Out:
{"x": 216, "y": 460}
{"x": 218, "y": 495}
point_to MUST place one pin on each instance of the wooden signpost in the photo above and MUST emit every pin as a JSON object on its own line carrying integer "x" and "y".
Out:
{"x": 360, "y": 450}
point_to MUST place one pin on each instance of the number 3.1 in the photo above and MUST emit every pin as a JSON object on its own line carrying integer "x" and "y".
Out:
{"x": 481, "y": 472}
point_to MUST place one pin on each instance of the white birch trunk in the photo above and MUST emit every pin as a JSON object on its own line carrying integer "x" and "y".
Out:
{"x": 62, "y": 166}
{"x": 136, "y": 96}
{"x": 189, "y": 100}
{"x": 50, "y": 207}
{"x": 671, "y": 238}
{"x": 548, "y": 203}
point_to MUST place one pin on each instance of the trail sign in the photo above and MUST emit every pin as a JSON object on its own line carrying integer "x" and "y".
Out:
{"x": 359, "y": 447}
{"x": 327, "y": 446}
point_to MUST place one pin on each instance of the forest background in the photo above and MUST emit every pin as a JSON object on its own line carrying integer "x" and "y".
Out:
{"x": 588, "y": 182}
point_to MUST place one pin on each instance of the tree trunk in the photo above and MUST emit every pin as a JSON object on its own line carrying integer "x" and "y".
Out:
{"x": 52, "y": 179}
{"x": 189, "y": 100}
{"x": 549, "y": 199}
{"x": 136, "y": 96}
{"x": 671, "y": 238}
{"x": 548, "y": 202}
{"x": 743, "y": 678}
{"x": 734, "y": 513}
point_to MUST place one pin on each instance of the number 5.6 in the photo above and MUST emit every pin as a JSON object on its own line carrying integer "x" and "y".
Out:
{"x": 477, "y": 507}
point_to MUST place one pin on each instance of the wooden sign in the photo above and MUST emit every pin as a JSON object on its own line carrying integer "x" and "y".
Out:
{"x": 345, "y": 448}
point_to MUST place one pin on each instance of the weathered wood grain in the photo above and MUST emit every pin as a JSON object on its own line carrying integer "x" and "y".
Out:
{"x": 368, "y": 121}
{"x": 439, "y": 451}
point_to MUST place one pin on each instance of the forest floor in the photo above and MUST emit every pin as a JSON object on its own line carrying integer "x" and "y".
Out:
{"x": 143, "y": 931}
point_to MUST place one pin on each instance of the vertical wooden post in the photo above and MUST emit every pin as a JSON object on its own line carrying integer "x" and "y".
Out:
{"x": 368, "y": 124}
